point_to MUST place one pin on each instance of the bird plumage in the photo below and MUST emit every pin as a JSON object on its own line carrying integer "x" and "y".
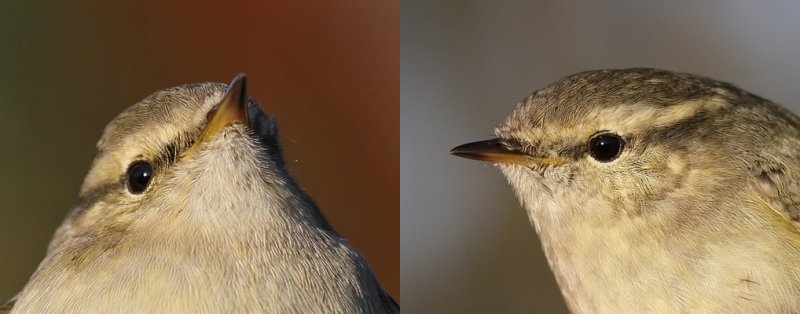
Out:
{"x": 697, "y": 213}
{"x": 224, "y": 229}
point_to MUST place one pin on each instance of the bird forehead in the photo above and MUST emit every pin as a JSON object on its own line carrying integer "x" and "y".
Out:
{"x": 622, "y": 102}
{"x": 143, "y": 130}
{"x": 622, "y": 119}
{"x": 162, "y": 116}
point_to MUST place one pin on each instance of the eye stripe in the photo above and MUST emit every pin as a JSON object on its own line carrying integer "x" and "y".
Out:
{"x": 94, "y": 195}
{"x": 676, "y": 131}
{"x": 170, "y": 152}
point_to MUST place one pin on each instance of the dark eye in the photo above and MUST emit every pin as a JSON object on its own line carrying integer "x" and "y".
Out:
{"x": 606, "y": 147}
{"x": 139, "y": 175}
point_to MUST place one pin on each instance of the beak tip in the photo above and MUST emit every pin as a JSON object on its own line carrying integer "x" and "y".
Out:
{"x": 472, "y": 150}
{"x": 239, "y": 76}
{"x": 239, "y": 84}
{"x": 491, "y": 150}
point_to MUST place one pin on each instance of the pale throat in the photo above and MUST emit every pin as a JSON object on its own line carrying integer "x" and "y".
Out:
{"x": 573, "y": 241}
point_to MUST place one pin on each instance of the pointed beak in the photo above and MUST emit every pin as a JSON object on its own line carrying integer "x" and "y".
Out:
{"x": 498, "y": 152}
{"x": 231, "y": 109}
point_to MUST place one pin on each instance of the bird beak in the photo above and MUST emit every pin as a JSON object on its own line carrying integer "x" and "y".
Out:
{"x": 498, "y": 152}
{"x": 231, "y": 109}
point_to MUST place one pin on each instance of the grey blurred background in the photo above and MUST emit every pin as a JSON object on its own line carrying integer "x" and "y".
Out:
{"x": 466, "y": 244}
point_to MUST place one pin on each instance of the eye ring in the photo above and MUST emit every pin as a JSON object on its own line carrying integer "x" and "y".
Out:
{"x": 605, "y": 146}
{"x": 140, "y": 174}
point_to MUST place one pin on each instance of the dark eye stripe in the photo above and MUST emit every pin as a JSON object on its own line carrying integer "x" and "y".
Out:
{"x": 170, "y": 152}
{"x": 94, "y": 195}
{"x": 677, "y": 131}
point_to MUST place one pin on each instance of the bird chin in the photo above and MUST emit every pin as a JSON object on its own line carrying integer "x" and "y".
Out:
{"x": 525, "y": 180}
{"x": 233, "y": 154}
{"x": 234, "y": 140}
{"x": 527, "y": 184}
{"x": 534, "y": 195}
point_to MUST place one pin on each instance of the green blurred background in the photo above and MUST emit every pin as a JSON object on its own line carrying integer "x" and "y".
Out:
{"x": 466, "y": 245}
{"x": 328, "y": 70}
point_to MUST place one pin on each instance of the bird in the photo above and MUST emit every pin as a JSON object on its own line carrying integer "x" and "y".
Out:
{"x": 657, "y": 191}
{"x": 188, "y": 208}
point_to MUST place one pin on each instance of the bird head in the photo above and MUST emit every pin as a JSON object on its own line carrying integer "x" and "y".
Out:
{"x": 601, "y": 144}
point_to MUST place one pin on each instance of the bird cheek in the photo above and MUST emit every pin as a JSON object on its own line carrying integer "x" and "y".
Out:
{"x": 561, "y": 176}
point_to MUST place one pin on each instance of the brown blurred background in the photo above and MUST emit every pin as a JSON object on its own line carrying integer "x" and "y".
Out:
{"x": 328, "y": 70}
{"x": 467, "y": 246}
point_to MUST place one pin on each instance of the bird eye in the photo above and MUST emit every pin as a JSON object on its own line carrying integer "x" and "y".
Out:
{"x": 606, "y": 147}
{"x": 140, "y": 173}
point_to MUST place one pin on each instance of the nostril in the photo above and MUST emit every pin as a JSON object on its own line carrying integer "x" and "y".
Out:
{"x": 511, "y": 144}
{"x": 211, "y": 112}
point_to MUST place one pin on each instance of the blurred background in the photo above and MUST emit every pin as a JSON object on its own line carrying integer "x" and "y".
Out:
{"x": 328, "y": 70}
{"x": 466, "y": 244}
